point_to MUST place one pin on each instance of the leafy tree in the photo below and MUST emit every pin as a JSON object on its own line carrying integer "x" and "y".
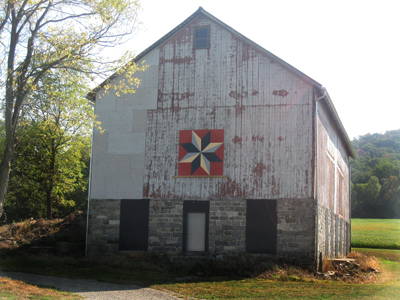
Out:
{"x": 53, "y": 134}
{"x": 390, "y": 195}
{"x": 377, "y": 168}
{"x": 366, "y": 198}
{"x": 38, "y": 36}
{"x": 386, "y": 168}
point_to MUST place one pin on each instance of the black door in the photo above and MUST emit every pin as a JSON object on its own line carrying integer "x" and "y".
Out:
{"x": 261, "y": 231}
{"x": 134, "y": 225}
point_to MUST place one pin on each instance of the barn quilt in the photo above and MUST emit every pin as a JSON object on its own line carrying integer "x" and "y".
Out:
{"x": 201, "y": 152}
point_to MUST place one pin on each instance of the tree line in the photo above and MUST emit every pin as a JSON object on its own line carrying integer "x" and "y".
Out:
{"x": 376, "y": 176}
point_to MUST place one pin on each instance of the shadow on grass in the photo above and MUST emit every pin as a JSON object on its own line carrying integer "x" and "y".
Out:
{"x": 144, "y": 269}
{"x": 239, "y": 275}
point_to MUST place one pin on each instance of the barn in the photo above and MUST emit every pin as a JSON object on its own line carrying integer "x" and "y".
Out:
{"x": 224, "y": 148}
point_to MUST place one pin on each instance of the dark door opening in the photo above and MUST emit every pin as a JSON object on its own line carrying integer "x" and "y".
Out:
{"x": 261, "y": 230}
{"x": 134, "y": 225}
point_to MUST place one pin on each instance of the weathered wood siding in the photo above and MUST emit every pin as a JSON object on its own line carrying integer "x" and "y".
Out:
{"x": 265, "y": 110}
{"x": 333, "y": 166}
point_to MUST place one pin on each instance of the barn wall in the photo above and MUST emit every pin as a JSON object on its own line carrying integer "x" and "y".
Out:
{"x": 264, "y": 110}
{"x": 266, "y": 113}
{"x": 117, "y": 165}
{"x": 333, "y": 188}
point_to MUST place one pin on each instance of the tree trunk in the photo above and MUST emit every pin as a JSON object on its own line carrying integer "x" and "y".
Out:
{"x": 49, "y": 191}
{"x": 5, "y": 169}
{"x": 49, "y": 205}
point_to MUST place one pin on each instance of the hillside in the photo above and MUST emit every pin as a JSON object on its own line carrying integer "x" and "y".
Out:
{"x": 41, "y": 236}
{"x": 376, "y": 176}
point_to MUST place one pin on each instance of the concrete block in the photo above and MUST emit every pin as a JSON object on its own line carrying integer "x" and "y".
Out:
{"x": 100, "y": 141}
{"x": 230, "y": 248}
{"x": 113, "y": 121}
{"x": 126, "y": 143}
{"x": 139, "y": 121}
{"x": 104, "y": 102}
{"x": 117, "y": 176}
{"x": 151, "y": 77}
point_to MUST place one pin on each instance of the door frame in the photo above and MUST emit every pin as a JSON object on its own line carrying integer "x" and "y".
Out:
{"x": 195, "y": 206}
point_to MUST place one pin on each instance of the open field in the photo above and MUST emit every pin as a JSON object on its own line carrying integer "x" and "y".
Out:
{"x": 375, "y": 233}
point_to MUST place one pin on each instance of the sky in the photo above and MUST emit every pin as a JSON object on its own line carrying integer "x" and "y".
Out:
{"x": 351, "y": 47}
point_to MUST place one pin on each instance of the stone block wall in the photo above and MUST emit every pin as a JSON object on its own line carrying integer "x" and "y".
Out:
{"x": 166, "y": 225}
{"x": 227, "y": 226}
{"x": 333, "y": 234}
{"x": 296, "y": 229}
{"x": 103, "y": 227}
{"x": 296, "y": 225}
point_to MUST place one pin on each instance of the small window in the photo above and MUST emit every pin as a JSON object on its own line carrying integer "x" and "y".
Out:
{"x": 202, "y": 38}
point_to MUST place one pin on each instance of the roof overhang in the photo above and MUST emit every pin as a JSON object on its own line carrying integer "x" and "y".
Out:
{"x": 335, "y": 117}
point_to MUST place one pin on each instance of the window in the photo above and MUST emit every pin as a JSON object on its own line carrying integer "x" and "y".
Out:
{"x": 202, "y": 38}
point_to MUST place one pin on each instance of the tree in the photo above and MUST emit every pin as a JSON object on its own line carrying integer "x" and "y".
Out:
{"x": 366, "y": 200}
{"x": 377, "y": 167}
{"x": 54, "y": 131}
{"x": 38, "y": 36}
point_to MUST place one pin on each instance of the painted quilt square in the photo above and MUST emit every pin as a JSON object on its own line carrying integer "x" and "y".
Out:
{"x": 201, "y": 152}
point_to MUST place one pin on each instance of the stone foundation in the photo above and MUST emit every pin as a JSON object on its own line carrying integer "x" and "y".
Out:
{"x": 227, "y": 226}
{"x": 296, "y": 229}
{"x": 166, "y": 226}
{"x": 333, "y": 234}
{"x": 296, "y": 225}
{"x": 103, "y": 227}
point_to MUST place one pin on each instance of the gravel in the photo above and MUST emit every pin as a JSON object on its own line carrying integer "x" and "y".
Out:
{"x": 91, "y": 289}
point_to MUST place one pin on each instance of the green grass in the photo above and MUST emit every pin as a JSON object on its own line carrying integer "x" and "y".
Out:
{"x": 14, "y": 289}
{"x": 276, "y": 287}
{"x": 272, "y": 289}
{"x": 375, "y": 233}
{"x": 292, "y": 286}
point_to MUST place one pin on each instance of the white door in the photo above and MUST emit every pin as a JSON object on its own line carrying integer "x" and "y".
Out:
{"x": 196, "y": 223}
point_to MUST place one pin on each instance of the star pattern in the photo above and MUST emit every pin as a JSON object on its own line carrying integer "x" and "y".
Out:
{"x": 201, "y": 152}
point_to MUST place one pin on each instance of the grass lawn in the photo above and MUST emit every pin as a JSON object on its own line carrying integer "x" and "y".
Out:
{"x": 275, "y": 287}
{"x": 375, "y": 233}
{"x": 14, "y": 289}
{"x": 291, "y": 289}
